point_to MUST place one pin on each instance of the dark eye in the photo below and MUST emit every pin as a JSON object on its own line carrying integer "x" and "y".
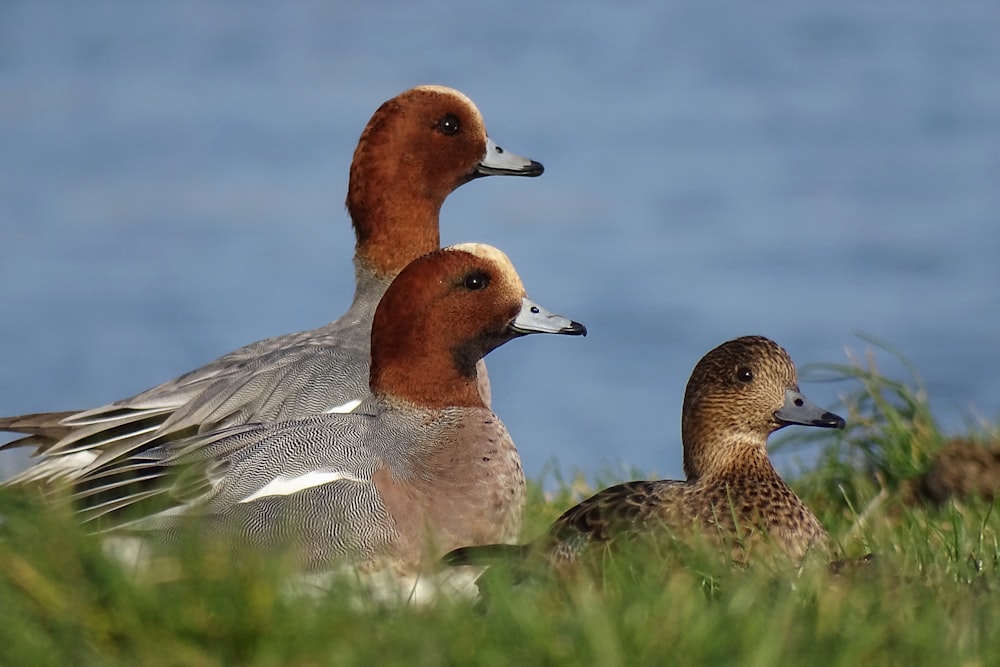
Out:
{"x": 744, "y": 374}
{"x": 448, "y": 124}
{"x": 477, "y": 281}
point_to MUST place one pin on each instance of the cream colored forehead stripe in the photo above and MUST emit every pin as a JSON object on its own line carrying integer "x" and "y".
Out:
{"x": 451, "y": 92}
{"x": 494, "y": 255}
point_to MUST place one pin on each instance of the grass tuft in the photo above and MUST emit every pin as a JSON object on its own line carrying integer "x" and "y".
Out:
{"x": 931, "y": 596}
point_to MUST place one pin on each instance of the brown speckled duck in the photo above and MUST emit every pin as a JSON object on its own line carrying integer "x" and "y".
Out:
{"x": 738, "y": 394}
{"x": 962, "y": 469}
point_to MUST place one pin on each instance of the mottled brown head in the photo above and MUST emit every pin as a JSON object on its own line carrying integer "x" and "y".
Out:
{"x": 738, "y": 394}
{"x": 416, "y": 149}
{"x": 441, "y": 315}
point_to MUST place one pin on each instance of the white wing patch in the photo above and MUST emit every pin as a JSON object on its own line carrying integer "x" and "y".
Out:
{"x": 345, "y": 408}
{"x": 286, "y": 486}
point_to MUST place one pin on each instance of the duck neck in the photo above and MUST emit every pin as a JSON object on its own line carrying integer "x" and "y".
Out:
{"x": 725, "y": 457}
{"x": 415, "y": 366}
{"x": 391, "y": 231}
{"x": 369, "y": 288}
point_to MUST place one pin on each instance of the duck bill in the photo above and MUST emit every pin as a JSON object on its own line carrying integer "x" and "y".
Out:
{"x": 800, "y": 410}
{"x": 498, "y": 162}
{"x": 535, "y": 319}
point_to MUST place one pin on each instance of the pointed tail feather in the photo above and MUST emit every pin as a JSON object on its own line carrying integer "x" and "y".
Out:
{"x": 47, "y": 424}
{"x": 40, "y": 443}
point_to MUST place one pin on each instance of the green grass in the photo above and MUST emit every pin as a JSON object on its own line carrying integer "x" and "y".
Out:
{"x": 932, "y": 597}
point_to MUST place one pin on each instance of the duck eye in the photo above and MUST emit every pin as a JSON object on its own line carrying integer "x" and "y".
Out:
{"x": 448, "y": 124}
{"x": 477, "y": 281}
{"x": 744, "y": 374}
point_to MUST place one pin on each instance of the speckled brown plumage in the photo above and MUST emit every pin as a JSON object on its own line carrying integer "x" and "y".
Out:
{"x": 962, "y": 469}
{"x": 738, "y": 394}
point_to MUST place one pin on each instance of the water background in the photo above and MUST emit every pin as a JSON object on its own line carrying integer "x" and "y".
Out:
{"x": 172, "y": 178}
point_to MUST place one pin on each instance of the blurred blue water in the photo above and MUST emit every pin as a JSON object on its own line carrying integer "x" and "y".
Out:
{"x": 172, "y": 179}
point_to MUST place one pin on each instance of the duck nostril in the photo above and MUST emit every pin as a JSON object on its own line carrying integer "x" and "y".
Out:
{"x": 799, "y": 402}
{"x": 535, "y": 310}
{"x": 499, "y": 150}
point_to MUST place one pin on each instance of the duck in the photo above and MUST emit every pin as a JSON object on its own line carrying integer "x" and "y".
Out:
{"x": 416, "y": 149}
{"x": 738, "y": 394}
{"x": 962, "y": 469}
{"x": 421, "y": 467}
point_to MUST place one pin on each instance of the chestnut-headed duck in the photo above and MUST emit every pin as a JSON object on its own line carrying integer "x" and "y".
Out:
{"x": 738, "y": 394}
{"x": 417, "y": 148}
{"x": 421, "y": 467}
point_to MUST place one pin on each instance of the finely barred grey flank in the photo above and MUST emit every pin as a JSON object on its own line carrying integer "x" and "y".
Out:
{"x": 421, "y": 467}
{"x": 417, "y": 148}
